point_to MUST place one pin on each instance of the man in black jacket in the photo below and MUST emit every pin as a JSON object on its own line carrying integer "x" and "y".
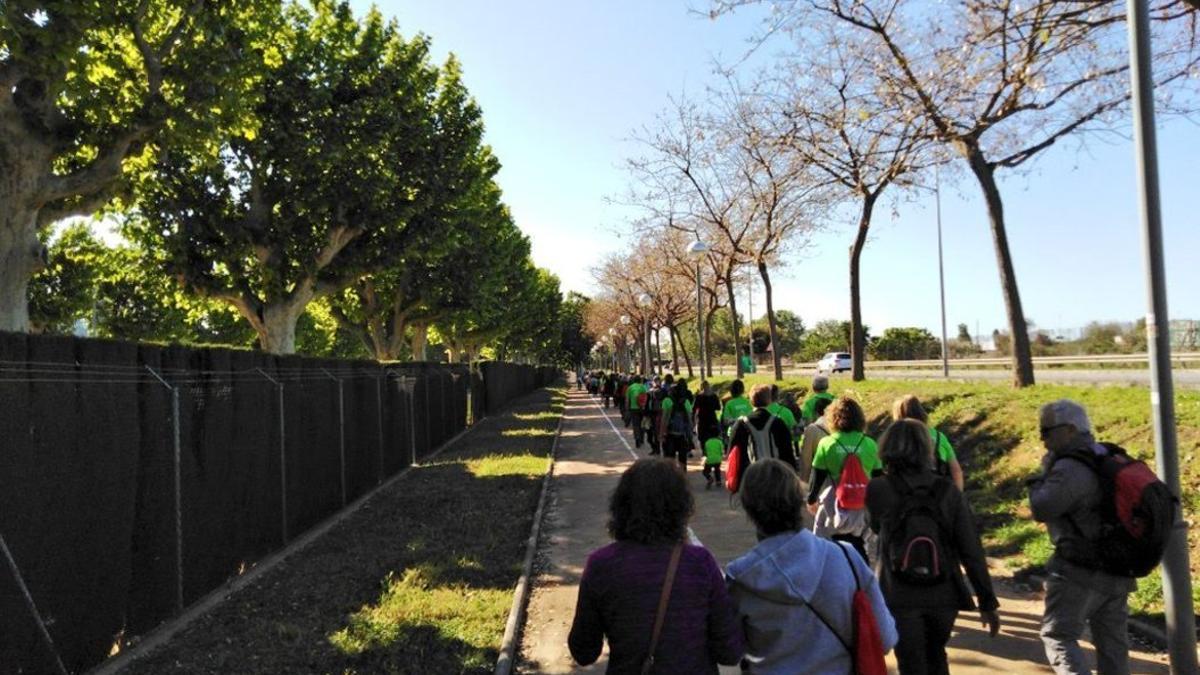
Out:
{"x": 761, "y": 434}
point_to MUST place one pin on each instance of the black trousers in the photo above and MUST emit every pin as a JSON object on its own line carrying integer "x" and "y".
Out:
{"x": 677, "y": 447}
{"x": 923, "y": 636}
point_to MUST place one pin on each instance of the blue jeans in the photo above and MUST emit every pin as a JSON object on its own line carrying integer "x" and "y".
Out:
{"x": 1071, "y": 605}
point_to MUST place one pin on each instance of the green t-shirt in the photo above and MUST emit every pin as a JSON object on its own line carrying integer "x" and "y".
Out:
{"x": 631, "y": 395}
{"x": 777, "y": 409}
{"x": 714, "y": 451}
{"x": 735, "y": 408}
{"x": 668, "y": 404}
{"x": 942, "y": 447}
{"x": 832, "y": 450}
{"x": 810, "y": 406}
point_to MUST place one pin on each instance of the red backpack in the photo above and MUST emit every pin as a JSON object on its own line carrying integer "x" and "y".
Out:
{"x": 1137, "y": 512}
{"x": 865, "y": 645}
{"x": 852, "y": 482}
{"x": 735, "y": 468}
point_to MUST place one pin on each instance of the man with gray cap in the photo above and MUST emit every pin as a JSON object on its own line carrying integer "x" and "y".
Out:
{"x": 1067, "y": 497}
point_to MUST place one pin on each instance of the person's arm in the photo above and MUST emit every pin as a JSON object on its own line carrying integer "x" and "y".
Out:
{"x": 783, "y": 441}
{"x": 586, "y": 639}
{"x": 726, "y": 639}
{"x": 739, "y": 436}
{"x": 878, "y": 497}
{"x": 1060, "y": 489}
{"x": 972, "y": 557}
{"x": 883, "y": 617}
{"x": 956, "y": 474}
{"x": 814, "y": 490}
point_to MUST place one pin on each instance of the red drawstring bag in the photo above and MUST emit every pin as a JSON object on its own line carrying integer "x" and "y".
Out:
{"x": 868, "y": 645}
{"x": 733, "y": 471}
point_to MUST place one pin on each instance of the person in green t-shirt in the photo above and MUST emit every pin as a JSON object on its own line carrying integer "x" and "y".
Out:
{"x": 635, "y": 390}
{"x": 779, "y": 410}
{"x": 736, "y": 407}
{"x": 820, "y": 388}
{"x": 847, "y": 434}
{"x": 944, "y": 461}
{"x": 676, "y": 445}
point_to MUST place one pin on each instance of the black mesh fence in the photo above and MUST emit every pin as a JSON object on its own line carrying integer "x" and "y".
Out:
{"x": 135, "y": 479}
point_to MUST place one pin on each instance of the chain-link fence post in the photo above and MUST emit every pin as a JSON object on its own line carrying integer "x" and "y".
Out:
{"x": 341, "y": 432}
{"x": 408, "y": 384}
{"x": 379, "y": 420}
{"x": 283, "y": 505}
{"x": 178, "y": 470}
{"x": 32, "y": 607}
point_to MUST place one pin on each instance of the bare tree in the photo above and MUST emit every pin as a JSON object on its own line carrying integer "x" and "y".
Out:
{"x": 1000, "y": 82}
{"x": 785, "y": 194}
{"x": 842, "y": 128}
{"x": 690, "y": 180}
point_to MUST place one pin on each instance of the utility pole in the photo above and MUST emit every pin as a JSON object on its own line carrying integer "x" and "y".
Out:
{"x": 1177, "y": 586}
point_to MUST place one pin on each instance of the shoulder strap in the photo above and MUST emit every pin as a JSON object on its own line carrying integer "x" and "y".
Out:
{"x": 821, "y": 617}
{"x": 663, "y": 599}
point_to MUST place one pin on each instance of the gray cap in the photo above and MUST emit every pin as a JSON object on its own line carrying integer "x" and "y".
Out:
{"x": 1066, "y": 411}
{"x": 820, "y": 383}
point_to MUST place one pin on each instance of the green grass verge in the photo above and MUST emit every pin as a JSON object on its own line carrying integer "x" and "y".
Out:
{"x": 994, "y": 429}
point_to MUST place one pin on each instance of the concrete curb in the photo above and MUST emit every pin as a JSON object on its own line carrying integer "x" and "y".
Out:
{"x": 516, "y": 615}
{"x": 170, "y": 628}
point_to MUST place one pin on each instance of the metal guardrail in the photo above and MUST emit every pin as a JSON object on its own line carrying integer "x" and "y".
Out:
{"x": 1097, "y": 359}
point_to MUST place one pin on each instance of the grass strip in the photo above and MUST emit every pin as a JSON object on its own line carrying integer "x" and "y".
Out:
{"x": 994, "y": 429}
{"x": 419, "y": 580}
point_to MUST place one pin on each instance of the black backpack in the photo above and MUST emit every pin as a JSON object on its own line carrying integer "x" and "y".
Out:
{"x": 917, "y": 536}
{"x": 680, "y": 424}
{"x": 1137, "y": 512}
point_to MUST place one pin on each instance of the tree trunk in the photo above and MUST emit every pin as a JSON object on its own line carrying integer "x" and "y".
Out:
{"x": 674, "y": 349}
{"x": 858, "y": 338}
{"x": 657, "y": 348}
{"x": 277, "y": 326}
{"x": 733, "y": 316}
{"x": 21, "y": 254}
{"x": 776, "y": 357}
{"x": 1022, "y": 357}
{"x": 420, "y": 337}
{"x": 683, "y": 349}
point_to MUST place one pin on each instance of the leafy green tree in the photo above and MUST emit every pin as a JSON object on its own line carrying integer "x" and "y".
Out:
{"x": 905, "y": 344}
{"x": 828, "y": 336}
{"x": 64, "y": 291}
{"x": 298, "y": 209}
{"x": 576, "y": 340}
{"x": 434, "y": 267}
{"x": 90, "y": 90}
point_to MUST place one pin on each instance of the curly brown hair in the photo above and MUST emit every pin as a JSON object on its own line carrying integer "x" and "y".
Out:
{"x": 845, "y": 414}
{"x": 652, "y": 503}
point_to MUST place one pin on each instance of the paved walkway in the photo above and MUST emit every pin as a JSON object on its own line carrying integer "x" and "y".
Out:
{"x": 593, "y": 451}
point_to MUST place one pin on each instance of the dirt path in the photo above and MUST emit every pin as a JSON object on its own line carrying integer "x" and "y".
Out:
{"x": 593, "y": 451}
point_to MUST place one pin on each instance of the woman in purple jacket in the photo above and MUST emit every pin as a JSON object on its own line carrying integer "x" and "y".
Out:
{"x": 623, "y": 581}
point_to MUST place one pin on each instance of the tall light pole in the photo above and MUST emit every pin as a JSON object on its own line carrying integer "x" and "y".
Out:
{"x": 1176, "y": 571}
{"x": 937, "y": 196}
{"x": 625, "y": 321}
{"x": 750, "y": 319}
{"x": 644, "y": 300}
{"x": 698, "y": 249}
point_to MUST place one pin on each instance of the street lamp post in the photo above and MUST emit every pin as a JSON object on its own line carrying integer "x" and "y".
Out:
{"x": 937, "y": 195}
{"x": 644, "y": 300}
{"x": 698, "y": 249}
{"x": 625, "y": 321}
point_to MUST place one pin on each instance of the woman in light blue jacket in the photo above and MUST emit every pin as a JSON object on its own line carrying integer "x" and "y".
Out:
{"x": 794, "y": 590}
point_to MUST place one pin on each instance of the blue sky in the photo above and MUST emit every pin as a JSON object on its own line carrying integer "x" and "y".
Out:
{"x": 562, "y": 83}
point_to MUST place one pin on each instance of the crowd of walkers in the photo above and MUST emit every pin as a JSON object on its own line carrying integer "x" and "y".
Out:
{"x": 891, "y": 558}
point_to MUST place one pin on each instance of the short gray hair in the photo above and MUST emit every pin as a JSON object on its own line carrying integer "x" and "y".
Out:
{"x": 1066, "y": 411}
{"x": 820, "y": 383}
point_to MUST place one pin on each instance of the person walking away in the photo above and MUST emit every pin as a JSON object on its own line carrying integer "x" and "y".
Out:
{"x": 707, "y": 412}
{"x": 848, "y": 458}
{"x": 714, "y": 452}
{"x": 813, "y": 433}
{"x": 820, "y": 389}
{"x": 793, "y": 591}
{"x": 735, "y": 408}
{"x": 621, "y": 590}
{"x": 637, "y": 398}
{"x": 652, "y": 416}
{"x": 761, "y": 434}
{"x": 926, "y": 537}
{"x": 622, "y": 405}
{"x": 944, "y": 460}
{"x": 781, "y": 411}
{"x": 1067, "y": 497}
{"x": 675, "y": 426}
